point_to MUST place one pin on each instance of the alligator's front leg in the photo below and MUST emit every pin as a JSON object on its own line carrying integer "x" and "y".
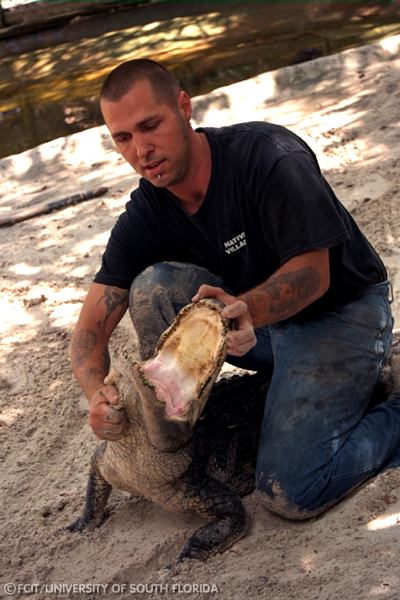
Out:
{"x": 212, "y": 498}
{"x": 97, "y": 494}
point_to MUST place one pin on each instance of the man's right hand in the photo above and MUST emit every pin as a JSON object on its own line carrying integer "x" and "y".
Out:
{"x": 107, "y": 422}
{"x": 242, "y": 337}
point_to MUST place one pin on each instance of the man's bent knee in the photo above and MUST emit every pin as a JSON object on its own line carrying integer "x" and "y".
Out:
{"x": 279, "y": 503}
{"x": 180, "y": 281}
{"x": 292, "y": 500}
{"x": 158, "y": 294}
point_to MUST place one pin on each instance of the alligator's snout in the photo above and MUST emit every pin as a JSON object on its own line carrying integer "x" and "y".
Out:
{"x": 188, "y": 359}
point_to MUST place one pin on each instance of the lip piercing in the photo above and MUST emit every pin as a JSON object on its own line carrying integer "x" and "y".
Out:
{"x": 158, "y": 176}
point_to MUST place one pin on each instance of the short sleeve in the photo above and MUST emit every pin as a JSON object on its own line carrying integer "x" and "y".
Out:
{"x": 130, "y": 249}
{"x": 298, "y": 209}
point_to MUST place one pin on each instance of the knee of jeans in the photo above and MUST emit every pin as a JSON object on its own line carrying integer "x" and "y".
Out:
{"x": 152, "y": 277}
{"x": 282, "y": 491}
{"x": 181, "y": 280}
{"x": 153, "y": 286}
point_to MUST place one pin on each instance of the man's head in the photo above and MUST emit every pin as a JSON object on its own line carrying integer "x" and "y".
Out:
{"x": 121, "y": 79}
{"x": 148, "y": 115}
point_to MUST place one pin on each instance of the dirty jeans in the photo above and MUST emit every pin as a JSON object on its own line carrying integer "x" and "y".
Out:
{"x": 318, "y": 439}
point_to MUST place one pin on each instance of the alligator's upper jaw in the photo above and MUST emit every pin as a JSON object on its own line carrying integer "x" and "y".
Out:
{"x": 189, "y": 357}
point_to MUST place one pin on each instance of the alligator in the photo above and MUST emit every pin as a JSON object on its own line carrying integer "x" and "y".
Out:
{"x": 191, "y": 443}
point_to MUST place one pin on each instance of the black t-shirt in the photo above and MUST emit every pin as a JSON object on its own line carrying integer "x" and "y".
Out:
{"x": 267, "y": 202}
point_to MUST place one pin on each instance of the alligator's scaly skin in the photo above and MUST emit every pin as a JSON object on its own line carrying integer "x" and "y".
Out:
{"x": 203, "y": 469}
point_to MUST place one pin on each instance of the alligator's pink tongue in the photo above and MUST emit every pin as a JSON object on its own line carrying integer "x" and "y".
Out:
{"x": 172, "y": 384}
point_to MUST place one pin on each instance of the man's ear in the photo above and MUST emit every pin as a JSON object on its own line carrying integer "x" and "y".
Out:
{"x": 185, "y": 105}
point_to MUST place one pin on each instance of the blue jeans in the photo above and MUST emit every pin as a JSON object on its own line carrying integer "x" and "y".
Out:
{"x": 319, "y": 440}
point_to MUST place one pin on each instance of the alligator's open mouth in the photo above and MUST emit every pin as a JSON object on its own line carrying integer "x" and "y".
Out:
{"x": 172, "y": 384}
{"x": 188, "y": 358}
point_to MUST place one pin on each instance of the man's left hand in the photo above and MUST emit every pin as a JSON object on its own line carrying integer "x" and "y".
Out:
{"x": 242, "y": 338}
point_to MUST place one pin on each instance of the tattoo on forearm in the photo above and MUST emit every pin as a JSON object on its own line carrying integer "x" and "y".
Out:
{"x": 113, "y": 297}
{"x": 83, "y": 344}
{"x": 284, "y": 294}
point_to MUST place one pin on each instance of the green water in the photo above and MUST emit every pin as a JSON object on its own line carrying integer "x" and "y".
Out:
{"x": 52, "y": 92}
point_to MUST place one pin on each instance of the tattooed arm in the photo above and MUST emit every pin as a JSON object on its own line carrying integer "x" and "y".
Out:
{"x": 296, "y": 284}
{"x": 102, "y": 310}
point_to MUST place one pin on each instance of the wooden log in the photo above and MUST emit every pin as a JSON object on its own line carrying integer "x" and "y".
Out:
{"x": 43, "y": 208}
{"x": 40, "y": 13}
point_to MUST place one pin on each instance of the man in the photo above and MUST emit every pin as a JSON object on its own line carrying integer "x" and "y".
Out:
{"x": 243, "y": 214}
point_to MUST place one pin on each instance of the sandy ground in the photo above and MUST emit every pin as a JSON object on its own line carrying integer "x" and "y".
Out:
{"x": 347, "y": 107}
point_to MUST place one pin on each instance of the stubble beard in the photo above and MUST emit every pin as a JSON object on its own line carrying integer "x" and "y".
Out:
{"x": 183, "y": 161}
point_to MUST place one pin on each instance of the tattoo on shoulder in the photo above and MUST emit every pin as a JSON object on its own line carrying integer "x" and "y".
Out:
{"x": 113, "y": 297}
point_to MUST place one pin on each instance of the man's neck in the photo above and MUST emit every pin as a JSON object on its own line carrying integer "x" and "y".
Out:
{"x": 192, "y": 190}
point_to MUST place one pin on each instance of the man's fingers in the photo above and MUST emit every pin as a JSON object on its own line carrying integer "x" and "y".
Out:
{"x": 105, "y": 413}
{"x": 239, "y": 350}
{"x": 234, "y": 310}
{"x": 107, "y": 422}
{"x": 204, "y": 291}
{"x": 109, "y": 394}
{"x": 110, "y": 426}
{"x": 242, "y": 338}
{"x": 114, "y": 416}
{"x": 240, "y": 342}
{"x": 210, "y": 291}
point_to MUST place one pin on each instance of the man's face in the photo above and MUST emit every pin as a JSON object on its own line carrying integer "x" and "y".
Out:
{"x": 151, "y": 135}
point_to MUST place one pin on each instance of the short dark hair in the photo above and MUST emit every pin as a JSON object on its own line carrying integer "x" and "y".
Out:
{"x": 123, "y": 77}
